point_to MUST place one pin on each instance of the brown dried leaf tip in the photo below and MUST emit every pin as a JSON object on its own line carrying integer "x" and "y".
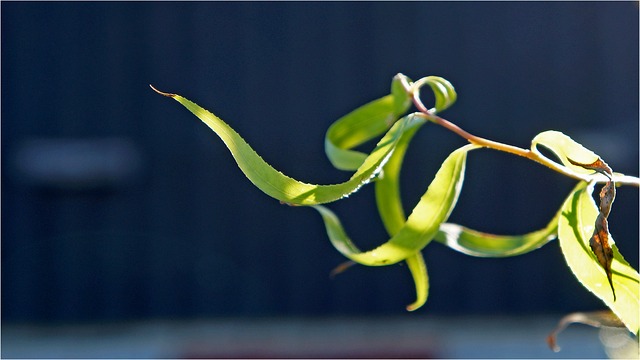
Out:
{"x": 599, "y": 241}
{"x": 162, "y": 93}
{"x": 600, "y": 246}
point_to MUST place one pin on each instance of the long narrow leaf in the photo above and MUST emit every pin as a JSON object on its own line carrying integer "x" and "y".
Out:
{"x": 285, "y": 188}
{"x": 387, "y": 187}
{"x": 356, "y": 128}
{"x": 418, "y": 269}
{"x": 444, "y": 92}
{"x": 433, "y": 208}
{"x": 392, "y": 214}
{"x": 481, "y": 244}
{"x": 363, "y": 124}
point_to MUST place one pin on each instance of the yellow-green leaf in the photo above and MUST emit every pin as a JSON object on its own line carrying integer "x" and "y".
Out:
{"x": 575, "y": 228}
{"x": 481, "y": 244}
{"x": 568, "y": 151}
{"x": 418, "y": 269}
{"x": 289, "y": 190}
{"x": 443, "y": 90}
{"x": 356, "y": 128}
{"x": 433, "y": 208}
{"x": 392, "y": 214}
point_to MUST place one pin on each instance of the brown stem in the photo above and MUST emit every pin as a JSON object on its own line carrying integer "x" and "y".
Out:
{"x": 476, "y": 140}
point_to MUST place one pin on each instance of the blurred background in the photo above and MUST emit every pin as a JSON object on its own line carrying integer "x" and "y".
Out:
{"x": 120, "y": 207}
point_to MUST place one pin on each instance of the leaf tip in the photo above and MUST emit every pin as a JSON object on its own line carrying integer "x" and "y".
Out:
{"x": 416, "y": 305}
{"x": 611, "y": 284}
{"x": 161, "y": 93}
{"x": 412, "y": 307}
{"x": 341, "y": 268}
{"x": 551, "y": 341}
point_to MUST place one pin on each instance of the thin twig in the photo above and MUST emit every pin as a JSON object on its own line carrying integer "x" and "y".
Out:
{"x": 430, "y": 115}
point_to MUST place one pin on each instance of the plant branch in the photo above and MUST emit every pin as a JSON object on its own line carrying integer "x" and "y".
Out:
{"x": 429, "y": 114}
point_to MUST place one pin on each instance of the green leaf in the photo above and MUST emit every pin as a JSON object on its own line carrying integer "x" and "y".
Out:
{"x": 443, "y": 90}
{"x": 433, "y": 208}
{"x": 481, "y": 244}
{"x": 359, "y": 126}
{"x": 575, "y": 228}
{"x": 401, "y": 100}
{"x": 566, "y": 149}
{"x": 392, "y": 214}
{"x": 363, "y": 124}
{"x": 285, "y": 188}
{"x": 418, "y": 270}
{"x": 387, "y": 187}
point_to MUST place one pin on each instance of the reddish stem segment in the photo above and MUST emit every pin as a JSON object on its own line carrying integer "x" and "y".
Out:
{"x": 476, "y": 140}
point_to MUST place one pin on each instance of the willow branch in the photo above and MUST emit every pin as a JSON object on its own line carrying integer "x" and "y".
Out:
{"x": 429, "y": 114}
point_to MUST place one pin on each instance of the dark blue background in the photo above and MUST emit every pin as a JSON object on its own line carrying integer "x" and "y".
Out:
{"x": 186, "y": 235}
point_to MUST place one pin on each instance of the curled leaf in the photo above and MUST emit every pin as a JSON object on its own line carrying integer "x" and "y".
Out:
{"x": 285, "y": 188}
{"x": 418, "y": 269}
{"x": 433, "y": 208}
{"x": 374, "y": 118}
{"x": 356, "y": 128}
{"x": 595, "y": 318}
{"x": 389, "y": 202}
{"x": 481, "y": 244}
{"x": 444, "y": 92}
{"x": 401, "y": 100}
{"x": 575, "y": 229}
{"x": 581, "y": 160}
{"x": 570, "y": 153}
{"x": 387, "y": 188}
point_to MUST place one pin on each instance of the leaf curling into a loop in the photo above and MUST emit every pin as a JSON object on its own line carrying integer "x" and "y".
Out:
{"x": 571, "y": 154}
{"x": 418, "y": 269}
{"x": 444, "y": 92}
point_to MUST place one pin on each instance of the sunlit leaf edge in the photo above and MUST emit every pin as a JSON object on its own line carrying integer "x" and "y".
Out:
{"x": 433, "y": 208}
{"x": 575, "y": 227}
{"x": 284, "y": 188}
